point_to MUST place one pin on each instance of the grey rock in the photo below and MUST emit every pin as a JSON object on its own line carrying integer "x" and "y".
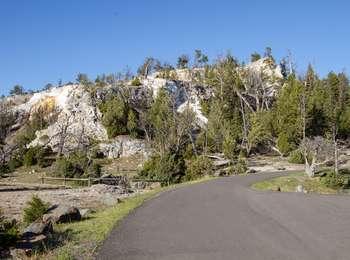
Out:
{"x": 220, "y": 173}
{"x": 38, "y": 227}
{"x": 251, "y": 170}
{"x": 123, "y": 146}
{"x": 110, "y": 200}
{"x": 63, "y": 214}
{"x": 139, "y": 185}
{"x": 26, "y": 246}
{"x": 276, "y": 188}
{"x": 300, "y": 188}
{"x": 85, "y": 213}
{"x": 77, "y": 110}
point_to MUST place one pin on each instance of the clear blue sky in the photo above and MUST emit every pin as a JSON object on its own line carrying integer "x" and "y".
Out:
{"x": 42, "y": 41}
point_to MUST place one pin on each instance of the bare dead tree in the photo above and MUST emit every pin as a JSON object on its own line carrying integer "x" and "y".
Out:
{"x": 149, "y": 65}
{"x": 317, "y": 152}
{"x": 63, "y": 131}
{"x": 7, "y": 119}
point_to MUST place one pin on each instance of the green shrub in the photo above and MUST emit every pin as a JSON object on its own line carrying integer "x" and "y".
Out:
{"x": 30, "y": 157}
{"x": 64, "y": 167}
{"x": 77, "y": 165}
{"x": 94, "y": 170}
{"x": 296, "y": 156}
{"x": 167, "y": 169}
{"x": 14, "y": 163}
{"x": 95, "y": 153}
{"x": 283, "y": 144}
{"x": 114, "y": 116}
{"x": 42, "y": 155}
{"x": 188, "y": 152}
{"x": 8, "y": 231}
{"x": 230, "y": 148}
{"x": 333, "y": 180}
{"x": 136, "y": 82}
{"x": 199, "y": 167}
{"x": 35, "y": 209}
{"x": 4, "y": 169}
{"x": 240, "y": 167}
{"x": 132, "y": 123}
{"x": 36, "y": 155}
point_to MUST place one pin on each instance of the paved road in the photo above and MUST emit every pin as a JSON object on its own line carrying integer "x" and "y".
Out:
{"x": 225, "y": 219}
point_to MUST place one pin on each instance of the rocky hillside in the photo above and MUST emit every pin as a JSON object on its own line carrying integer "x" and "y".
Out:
{"x": 74, "y": 119}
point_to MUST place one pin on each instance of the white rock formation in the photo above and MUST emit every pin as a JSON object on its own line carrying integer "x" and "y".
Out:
{"x": 185, "y": 98}
{"x": 78, "y": 118}
{"x": 123, "y": 146}
{"x": 265, "y": 66}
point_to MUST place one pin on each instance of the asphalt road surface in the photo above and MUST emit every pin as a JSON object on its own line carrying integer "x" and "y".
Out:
{"x": 225, "y": 219}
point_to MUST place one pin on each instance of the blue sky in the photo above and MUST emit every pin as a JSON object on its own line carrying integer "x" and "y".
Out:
{"x": 42, "y": 41}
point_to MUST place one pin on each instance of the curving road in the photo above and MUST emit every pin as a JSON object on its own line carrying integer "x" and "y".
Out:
{"x": 225, "y": 219}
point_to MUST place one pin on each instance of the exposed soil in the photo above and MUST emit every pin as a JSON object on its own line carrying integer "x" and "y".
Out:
{"x": 97, "y": 196}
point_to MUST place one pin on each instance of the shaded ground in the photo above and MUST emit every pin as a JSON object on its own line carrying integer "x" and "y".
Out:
{"x": 225, "y": 219}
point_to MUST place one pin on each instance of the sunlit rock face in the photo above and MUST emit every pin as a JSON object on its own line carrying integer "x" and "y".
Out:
{"x": 123, "y": 146}
{"x": 75, "y": 118}
{"x": 186, "y": 96}
{"x": 267, "y": 71}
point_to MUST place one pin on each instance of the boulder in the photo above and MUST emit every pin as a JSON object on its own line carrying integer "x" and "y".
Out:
{"x": 18, "y": 253}
{"x": 139, "y": 185}
{"x": 109, "y": 200}
{"x": 26, "y": 245}
{"x": 251, "y": 170}
{"x": 103, "y": 189}
{"x": 5, "y": 253}
{"x": 38, "y": 227}
{"x": 123, "y": 146}
{"x": 276, "y": 188}
{"x": 63, "y": 214}
{"x": 85, "y": 213}
{"x": 154, "y": 185}
{"x": 300, "y": 188}
{"x": 220, "y": 173}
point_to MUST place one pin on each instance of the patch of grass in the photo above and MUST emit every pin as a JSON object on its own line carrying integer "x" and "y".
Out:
{"x": 290, "y": 182}
{"x": 87, "y": 235}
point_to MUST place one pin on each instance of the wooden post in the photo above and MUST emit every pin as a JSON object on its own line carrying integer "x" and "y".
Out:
{"x": 89, "y": 182}
{"x": 64, "y": 181}
{"x": 42, "y": 180}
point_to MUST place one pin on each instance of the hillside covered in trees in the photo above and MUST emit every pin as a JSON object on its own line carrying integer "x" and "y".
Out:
{"x": 176, "y": 115}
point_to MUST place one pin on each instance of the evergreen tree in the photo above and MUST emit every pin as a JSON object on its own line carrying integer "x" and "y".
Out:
{"x": 200, "y": 59}
{"x": 183, "y": 61}
{"x": 255, "y": 57}
{"x": 287, "y": 114}
{"x": 17, "y": 90}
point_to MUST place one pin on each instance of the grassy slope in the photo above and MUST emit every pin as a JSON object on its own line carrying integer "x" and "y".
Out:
{"x": 83, "y": 238}
{"x": 290, "y": 182}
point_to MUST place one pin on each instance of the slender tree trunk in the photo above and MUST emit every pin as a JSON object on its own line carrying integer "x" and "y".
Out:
{"x": 193, "y": 144}
{"x": 245, "y": 130}
{"x": 335, "y": 142}
{"x": 336, "y": 161}
{"x": 310, "y": 169}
